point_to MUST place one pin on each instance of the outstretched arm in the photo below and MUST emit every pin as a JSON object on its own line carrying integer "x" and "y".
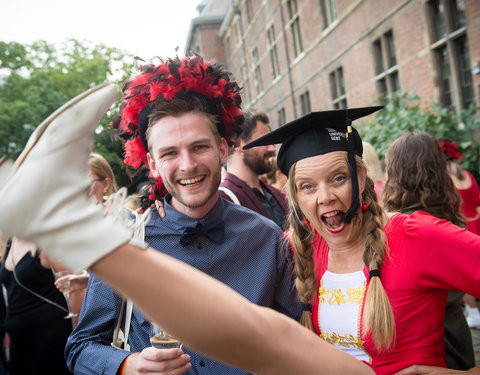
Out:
{"x": 216, "y": 321}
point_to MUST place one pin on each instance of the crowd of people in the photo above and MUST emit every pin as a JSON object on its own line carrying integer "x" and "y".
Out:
{"x": 311, "y": 261}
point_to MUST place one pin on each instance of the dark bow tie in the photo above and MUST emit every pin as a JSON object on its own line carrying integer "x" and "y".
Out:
{"x": 214, "y": 232}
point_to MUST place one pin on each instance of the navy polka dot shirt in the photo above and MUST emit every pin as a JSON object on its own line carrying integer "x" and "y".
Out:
{"x": 254, "y": 259}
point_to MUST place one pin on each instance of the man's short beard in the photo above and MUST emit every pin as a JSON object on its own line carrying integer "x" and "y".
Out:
{"x": 255, "y": 163}
{"x": 213, "y": 189}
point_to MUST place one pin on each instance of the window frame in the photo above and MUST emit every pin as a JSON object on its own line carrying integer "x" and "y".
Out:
{"x": 305, "y": 103}
{"x": 455, "y": 89}
{"x": 257, "y": 71}
{"x": 337, "y": 88}
{"x": 273, "y": 52}
{"x": 385, "y": 62}
{"x": 295, "y": 27}
{"x": 328, "y": 10}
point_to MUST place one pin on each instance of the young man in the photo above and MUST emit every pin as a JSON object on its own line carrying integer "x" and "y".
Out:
{"x": 182, "y": 113}
{"x": 242, "y": 183}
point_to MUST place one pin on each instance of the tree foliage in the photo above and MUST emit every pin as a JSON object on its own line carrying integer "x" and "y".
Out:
{"x": 405, "y": 113}
{"x": 37, "y": 78}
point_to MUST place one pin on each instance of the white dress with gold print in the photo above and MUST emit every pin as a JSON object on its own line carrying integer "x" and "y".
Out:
{"x": 340, "y": 299}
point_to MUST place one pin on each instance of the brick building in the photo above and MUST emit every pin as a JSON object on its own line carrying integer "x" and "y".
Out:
{"x": 293, "y": 56}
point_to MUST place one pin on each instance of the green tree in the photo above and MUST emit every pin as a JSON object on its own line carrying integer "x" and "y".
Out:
{"x": 37, "y": 78}
{"x": 405, "y": 113}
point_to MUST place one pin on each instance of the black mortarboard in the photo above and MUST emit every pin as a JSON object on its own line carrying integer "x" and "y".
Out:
{"x": 318, "y": 133}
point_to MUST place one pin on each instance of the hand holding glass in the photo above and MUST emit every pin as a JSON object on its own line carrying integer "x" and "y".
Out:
{"x": 66, "y": 291}
{"x": 162, "y": 340}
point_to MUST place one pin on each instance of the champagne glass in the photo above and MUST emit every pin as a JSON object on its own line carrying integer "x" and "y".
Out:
{"x": 65, "y": 291}
{"x": 161, "y": 339}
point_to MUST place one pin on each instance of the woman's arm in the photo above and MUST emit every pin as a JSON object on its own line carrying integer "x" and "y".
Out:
{"x": 216, "y": 321}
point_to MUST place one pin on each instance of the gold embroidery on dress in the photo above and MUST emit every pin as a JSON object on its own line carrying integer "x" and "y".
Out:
{"x": 355, "y": 295}
{"x": 337, "y": 297}
{"x": 347, "y": 340}
{"x": 322, "y": 293}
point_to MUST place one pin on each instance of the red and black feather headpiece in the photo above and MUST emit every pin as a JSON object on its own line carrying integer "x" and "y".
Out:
{"x": 176, "y": 79}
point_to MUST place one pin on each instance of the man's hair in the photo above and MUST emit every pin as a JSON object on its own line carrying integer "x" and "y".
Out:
{"x": 178, "y": 107}
{"x": 249, "y": 126}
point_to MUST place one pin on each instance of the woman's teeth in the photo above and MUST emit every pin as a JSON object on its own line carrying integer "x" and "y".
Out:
{"x": 333, "y": 219}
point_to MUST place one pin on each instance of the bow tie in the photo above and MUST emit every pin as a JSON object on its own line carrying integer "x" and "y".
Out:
{"x": 213, "y": 232}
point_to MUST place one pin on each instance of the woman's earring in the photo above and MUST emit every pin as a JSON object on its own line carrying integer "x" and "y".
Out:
{"x": 364, "y": 206}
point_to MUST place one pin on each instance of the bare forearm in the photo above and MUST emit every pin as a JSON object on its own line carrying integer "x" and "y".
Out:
{"x": 216, "y": 321}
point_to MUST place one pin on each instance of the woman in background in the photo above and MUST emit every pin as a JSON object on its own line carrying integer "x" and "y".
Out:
{"x": 35, "y": 313}
{"x": 103, "y": 179}
{"x": 418, "y": 181}
{"x": 468, "y": 188}
{"x": 103, "y": 184}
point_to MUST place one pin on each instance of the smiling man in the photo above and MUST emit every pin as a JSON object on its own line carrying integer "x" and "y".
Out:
{"x": 180, "y": 115}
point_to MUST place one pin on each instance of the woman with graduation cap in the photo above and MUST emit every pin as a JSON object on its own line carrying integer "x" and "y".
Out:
{"x": 202, "y": 312}
{"x": 372, "y": 284}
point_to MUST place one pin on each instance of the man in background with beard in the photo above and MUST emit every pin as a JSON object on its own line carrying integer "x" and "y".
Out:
{"x": 242, "y": 183}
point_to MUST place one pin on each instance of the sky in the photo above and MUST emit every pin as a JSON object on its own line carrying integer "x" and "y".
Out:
{"x": 145, "y": 28}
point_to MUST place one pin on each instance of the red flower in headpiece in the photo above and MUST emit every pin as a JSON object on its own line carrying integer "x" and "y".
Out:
{"x": 172, "y": 79}
{"x": 450, "y": 149}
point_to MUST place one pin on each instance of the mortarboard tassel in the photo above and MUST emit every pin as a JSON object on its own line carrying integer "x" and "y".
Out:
{"x": 352, "y": 211}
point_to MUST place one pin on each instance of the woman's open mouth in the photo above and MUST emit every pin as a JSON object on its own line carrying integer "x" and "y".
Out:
{"x": 334, "y": 221}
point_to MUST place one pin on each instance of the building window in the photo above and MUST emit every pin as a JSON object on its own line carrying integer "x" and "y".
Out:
{"x": 257, "y": 71}
{"x": 272, "y": 49}
{"x": 281, "y": 116}
{"x": 246, "y": 90}
{"x": 305, "y": 103}
{"x": 451, "y": 51}
{"x": 236, "y": 28}
{"x": 294, "y": 21}
{"x": 248, "y": 5}
{"x": 329, "y": 12}
{"x": 386, "y": 68}
{"x": 227, "y": 46}
{"x": 337, "y": 89}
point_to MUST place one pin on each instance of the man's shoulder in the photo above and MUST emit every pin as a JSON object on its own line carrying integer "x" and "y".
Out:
{"x": 232, "y": 181}
{"x": 240, "y": 214}
{"x": 271, "y": 188}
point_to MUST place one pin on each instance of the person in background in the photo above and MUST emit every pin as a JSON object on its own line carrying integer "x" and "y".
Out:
{"x": 103, "y": 184}
{"x": 242, "y": 183}
{"x": 35, "y": 314}
{"x": 418, "y": 180}
{"x": 275, "y": 177}
{"x": 103, "y": 179}
{"x": 3, "y": 335}
{"x": 468, "y": 188}
{"x": 374, "y": 168}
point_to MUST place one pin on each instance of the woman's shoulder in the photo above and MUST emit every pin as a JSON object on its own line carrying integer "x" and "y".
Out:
{"x": 398, "y": 218}
{"x": 419, "y": 225}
